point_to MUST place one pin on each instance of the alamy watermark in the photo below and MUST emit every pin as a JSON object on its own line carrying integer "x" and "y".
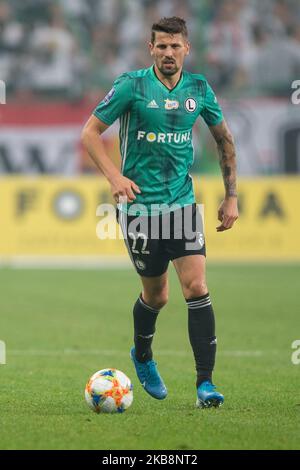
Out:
{"x": 2, "y": 92}
{"x": 2, "y": 352}
{"x": 295, "y": 98}
{"x": 166, "y": 222}
{"x": 296, "y": 354}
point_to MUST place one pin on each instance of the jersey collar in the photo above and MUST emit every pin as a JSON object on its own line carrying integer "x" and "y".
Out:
{"x": 164, "y": 87}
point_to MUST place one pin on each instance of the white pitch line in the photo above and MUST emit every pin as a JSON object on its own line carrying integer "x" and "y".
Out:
{"x": 113, "y": 262}
{"x": 66, "y": 262}
{"x": 123, "y": 353}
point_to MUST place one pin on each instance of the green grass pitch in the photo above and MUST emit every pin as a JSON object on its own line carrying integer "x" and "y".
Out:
{"x": 60, "y": 326}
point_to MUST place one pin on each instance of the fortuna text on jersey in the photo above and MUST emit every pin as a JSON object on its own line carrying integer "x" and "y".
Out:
{"x": 162, "y": 138}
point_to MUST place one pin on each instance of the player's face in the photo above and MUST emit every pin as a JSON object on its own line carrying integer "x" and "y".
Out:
{"x": 168, "y": 52}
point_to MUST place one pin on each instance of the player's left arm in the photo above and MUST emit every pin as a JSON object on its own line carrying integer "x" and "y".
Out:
{"x": 228, "y": 210}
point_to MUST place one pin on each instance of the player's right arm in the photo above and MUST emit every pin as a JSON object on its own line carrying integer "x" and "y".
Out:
{"x": 116, "y": 103}
{"x": 92, "y": 142}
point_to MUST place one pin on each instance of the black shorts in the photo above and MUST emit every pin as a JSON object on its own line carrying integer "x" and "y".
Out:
{"x": 153, "y": 241}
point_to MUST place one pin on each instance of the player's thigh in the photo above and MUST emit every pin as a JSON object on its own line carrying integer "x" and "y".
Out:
{"x": 191, "y": 273}
{"x": 155, "y": 290}
{"x": 146, "y": 253}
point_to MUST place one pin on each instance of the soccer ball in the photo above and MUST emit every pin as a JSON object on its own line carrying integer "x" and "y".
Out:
{"x": 109, "y": 391}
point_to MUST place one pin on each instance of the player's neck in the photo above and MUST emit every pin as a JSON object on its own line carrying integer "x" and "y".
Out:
{"x": 169, "y": 81}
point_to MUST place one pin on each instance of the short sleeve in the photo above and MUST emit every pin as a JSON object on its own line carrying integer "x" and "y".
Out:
{"x": 212, "y": 112}
{"x": 116, "y": 102}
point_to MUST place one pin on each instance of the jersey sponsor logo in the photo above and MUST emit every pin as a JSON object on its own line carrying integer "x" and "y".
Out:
{"x": 152, "y": 105}
{"x": 171, "y": 104}
{"x": 109, "y": 96}
{"x": 190, "y": 105}
{"x": 165, "y": 138}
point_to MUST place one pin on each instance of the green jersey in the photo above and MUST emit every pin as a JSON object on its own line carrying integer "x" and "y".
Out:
{"x": 156, "y": 133}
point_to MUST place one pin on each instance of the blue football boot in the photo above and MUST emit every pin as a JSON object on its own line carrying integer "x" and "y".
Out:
{"x": 207, "y": 396}
{"x": 149, "y": 377}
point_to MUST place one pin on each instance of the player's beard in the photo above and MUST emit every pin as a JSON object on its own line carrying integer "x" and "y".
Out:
{"x": 164, "y": 70}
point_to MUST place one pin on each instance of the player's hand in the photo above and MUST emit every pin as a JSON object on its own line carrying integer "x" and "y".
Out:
{"x": 227, "y": 213}
{"x": 123, "y": 189}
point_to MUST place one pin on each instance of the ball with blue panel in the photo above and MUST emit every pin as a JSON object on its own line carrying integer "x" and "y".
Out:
{"x": 109, "y": 391}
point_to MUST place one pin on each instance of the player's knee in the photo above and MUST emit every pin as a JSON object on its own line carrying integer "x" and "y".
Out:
{"x": 195, "y": 288}
{"x": 157, "y": 299}
{"x": 160, "y": 300}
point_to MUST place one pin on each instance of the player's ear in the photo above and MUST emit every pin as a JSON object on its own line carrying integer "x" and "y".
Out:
{"x": 150, "y": 45}
{"x": 188, "y": 46}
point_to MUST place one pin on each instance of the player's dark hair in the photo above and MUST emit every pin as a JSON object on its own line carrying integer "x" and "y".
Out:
{"x": 173, "y": 25}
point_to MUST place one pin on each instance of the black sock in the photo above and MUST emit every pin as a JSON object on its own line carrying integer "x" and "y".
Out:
{"x": 144, "y": 328}
{"x": 202, "y": 336}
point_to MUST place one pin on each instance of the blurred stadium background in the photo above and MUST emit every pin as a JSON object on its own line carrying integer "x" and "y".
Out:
{"x": 59, "y": 58}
